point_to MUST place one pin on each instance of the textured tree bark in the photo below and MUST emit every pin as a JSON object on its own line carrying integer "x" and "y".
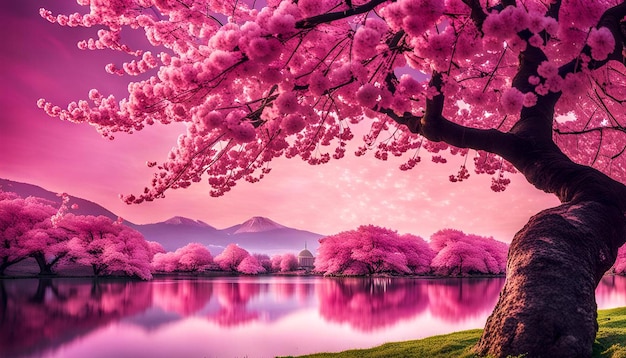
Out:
{"x": 547, "y": 307}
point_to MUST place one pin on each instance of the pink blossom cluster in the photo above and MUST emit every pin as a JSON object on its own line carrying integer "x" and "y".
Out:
{"x": 254, "y": 81}
{"x": 284, "y": 263}
{"x": 372, "y": 250}
{"x": 463, "y": 254}
{"x": 189, "y": 258}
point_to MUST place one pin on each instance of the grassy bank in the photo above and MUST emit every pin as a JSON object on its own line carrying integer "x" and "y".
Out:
{"x": 610, "y": 342}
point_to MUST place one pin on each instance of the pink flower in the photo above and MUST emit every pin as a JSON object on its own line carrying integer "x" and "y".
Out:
{"x": 368, "y": 95}
{"x": 428, "y": 10}
{"x": 244, "y": 132}
{"x": 409, "y": 85}
{"x": 512, "y": 100}
{"x": 293, "y": 124}
{"x": 222, "y": 59}
{"x": 318, "y": 83}
{"x": 365, "y": 41}
{"x": 287, "y": 103}
{"x": 536, "y": 41}
{"x": 534, "y": 80}
{"x": 575, "y": 84}
{"x": 414, "y": 25}
{"x": 530, "y": 99}
{"x": 547, "y": 69}
{"x": 282, "y": 24}
{"x": 602, "y": 43}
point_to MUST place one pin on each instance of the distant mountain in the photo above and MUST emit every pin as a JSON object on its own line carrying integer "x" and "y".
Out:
{"x": 179, "y": 220}
{"x": 257, "y": 235}
{"x": 255, "y": 224}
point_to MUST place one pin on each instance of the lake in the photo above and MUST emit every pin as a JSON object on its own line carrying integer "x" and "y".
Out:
{"x": 240, "y": 316}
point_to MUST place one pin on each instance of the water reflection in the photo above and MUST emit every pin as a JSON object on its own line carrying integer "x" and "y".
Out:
{"x": 39, "y": 314}
{"x": 233, "y": 299}
{"x": 371, "y": 303}
{"x": 463, "y": 298}
{"x": 68, "y": 317}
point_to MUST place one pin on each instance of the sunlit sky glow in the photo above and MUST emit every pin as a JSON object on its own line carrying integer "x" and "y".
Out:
{"x": 42, "y": 60}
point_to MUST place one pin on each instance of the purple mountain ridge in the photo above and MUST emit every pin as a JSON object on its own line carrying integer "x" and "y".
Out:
{"x": 257, "y": 235}
{"x": 255, "y": 224}
{"x": 179, "y": 220}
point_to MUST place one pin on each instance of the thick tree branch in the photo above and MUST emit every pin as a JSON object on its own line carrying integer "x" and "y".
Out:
{"x": 333, "y": 16}
{"x": 553, "y": 10}
{"x": 435, "y": 127}
{"x": 477, "y": 15}
{"x": 535, "y": 122}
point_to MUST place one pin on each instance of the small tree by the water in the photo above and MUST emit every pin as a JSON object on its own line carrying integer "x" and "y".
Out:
{"x": 462, "y": 254}
{"x": 189, "y": 258}
{"x": 231, "y": 257}
{"x": 371, "y": 250}
{"x": 108, "y": 247}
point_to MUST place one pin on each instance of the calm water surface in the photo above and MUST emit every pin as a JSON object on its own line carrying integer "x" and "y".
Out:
{"x": 240, "y": 316}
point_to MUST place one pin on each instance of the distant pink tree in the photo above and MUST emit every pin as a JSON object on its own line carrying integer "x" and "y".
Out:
{"x": 165, "y": 262}
{"x": 370, "y": 250}
{"x": 284, "y": 263}
{"x": 463, "y": 254}
{"x": 275, "y": 261}
{"x": 155, "y": 248}
{"x": 231, "y": 257}
{"x": 108, "y": 247}
{"x": 189, "y": 258}
{"x": 27, "y": 230}
{"x": 250, "y": 265}
{"x": 193, "y": 257}
{"x": 289, "y": 262}
{"x": 265, "y": 261}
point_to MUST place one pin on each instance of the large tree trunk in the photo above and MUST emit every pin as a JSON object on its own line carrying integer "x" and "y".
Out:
{"x": 44, "y": 268}
{"x": 547, "y": 307}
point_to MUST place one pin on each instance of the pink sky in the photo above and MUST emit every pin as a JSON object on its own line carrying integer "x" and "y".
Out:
{"x": 40, "y": 59}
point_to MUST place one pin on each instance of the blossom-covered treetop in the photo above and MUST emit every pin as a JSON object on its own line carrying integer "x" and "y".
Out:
{"x": 257, "y": 80}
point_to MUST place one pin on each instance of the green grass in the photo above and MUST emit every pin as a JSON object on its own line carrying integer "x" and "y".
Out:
{"x": 610, "y": 342}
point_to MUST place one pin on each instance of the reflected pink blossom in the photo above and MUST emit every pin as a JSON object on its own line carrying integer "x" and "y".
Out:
{"x": 48, "y": 313}
{"x": 371, "y": 304}
{"x": 611, "y": 292}
{"x": 233, "y": 298}
{"x": 461, "y": 299}
{"x": 184, "y": 297}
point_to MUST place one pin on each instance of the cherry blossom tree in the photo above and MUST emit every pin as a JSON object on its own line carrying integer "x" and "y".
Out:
{"x": 108, "y": 246}
{"x": 265, "y": 261}
{"x": 250, "y": 265}
{"x": 156, "y": 248}
{"x": 189, "y": 258}
{"x": 535, "y": 86}
{"x": 231, "y": 257}
{"x": 284, "y": 263}
{"x": 20, "y": 220}
{"x": 461, "y": 254}
{"x": 370, "y": 250}
{"x": 27, "y": 229}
